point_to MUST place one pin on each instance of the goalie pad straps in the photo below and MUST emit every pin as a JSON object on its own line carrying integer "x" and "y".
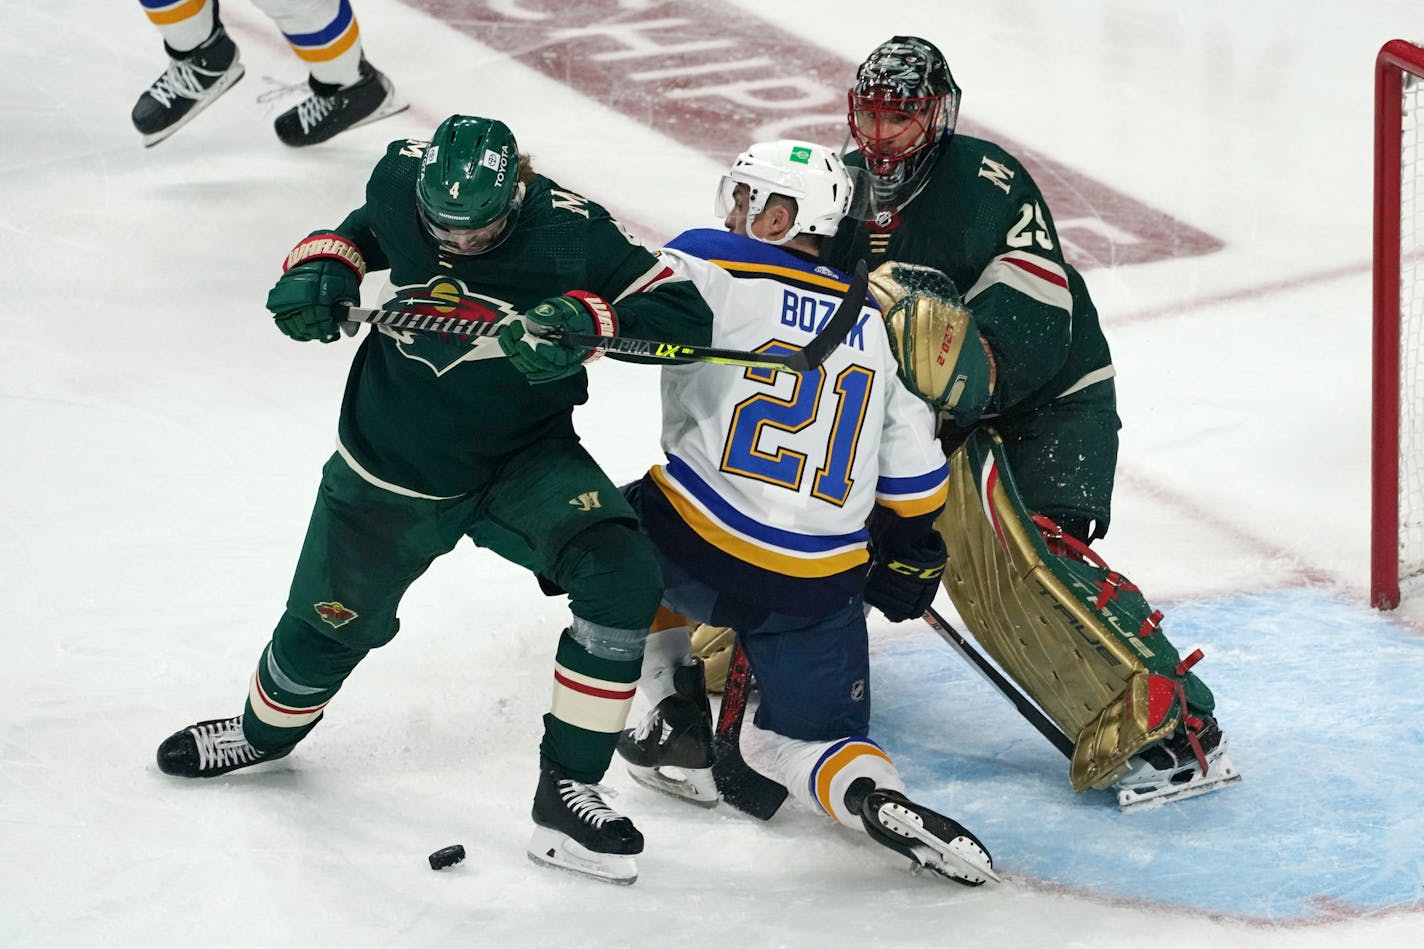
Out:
{"x": 941, "y": 356}
{"x": 327, "y": 244}
{"x": 1076, "y": 636}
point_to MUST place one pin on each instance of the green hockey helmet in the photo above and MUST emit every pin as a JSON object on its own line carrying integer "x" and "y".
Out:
{"x": 468, "y": 190}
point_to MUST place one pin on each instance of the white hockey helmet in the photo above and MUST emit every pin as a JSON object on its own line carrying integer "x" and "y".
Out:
{"x": 812, "y": 174}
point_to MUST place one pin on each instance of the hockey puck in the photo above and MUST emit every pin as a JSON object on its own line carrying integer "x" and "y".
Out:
{"x": 447, "y": 856}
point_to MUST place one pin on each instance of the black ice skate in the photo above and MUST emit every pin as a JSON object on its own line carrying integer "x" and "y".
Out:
{"x": 574, "y": 830}
{"x": 331, "y": 110}
{"x": 930, "y": 839}
{"x": 211, "y": 748}
{"x": 191, "y": 83}
{"x": 670, "y": 750}
{"x": 1172, "y": 770}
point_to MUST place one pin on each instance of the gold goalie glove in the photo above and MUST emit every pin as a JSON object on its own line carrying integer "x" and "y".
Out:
{"x": 941, "y": 356}
{"x": 1079, "y": 638}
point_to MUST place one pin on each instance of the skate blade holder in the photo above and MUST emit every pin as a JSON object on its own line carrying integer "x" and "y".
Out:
{"x": 693, "y": 785}
{"x": 1223, "y": 772}
{"x": 958, "y": 857}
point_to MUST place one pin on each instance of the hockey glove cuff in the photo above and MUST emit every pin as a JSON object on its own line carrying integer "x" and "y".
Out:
{"x": 321, "y": 276}
{"x": 531, "y": 341}
{"x": 902, "y": 585}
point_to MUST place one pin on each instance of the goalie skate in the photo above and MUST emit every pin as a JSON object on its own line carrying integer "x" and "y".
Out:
{"x": 575, "y": 830}
{"x": 931, "y": 840}
{"x": 1170, "y": 771}
{"x": 670, "y": 750}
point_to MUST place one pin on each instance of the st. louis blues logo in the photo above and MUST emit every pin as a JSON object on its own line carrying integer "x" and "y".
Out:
{"x": 447, "y": 297}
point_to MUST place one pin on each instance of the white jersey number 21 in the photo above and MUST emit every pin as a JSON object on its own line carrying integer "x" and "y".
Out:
{"x": 741, "y": 453}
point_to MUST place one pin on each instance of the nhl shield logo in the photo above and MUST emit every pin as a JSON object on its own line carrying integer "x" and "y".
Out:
{"x": 334, "y": 614}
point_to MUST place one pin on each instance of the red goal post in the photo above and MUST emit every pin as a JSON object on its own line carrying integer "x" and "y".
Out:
{"x": 1397, "y": 462}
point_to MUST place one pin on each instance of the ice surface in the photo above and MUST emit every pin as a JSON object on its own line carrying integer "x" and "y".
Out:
{"x": 160, "y": 443}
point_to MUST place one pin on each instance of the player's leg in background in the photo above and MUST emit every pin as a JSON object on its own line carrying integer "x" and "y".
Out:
{"x": 346, "y": 90}
{"x": 203, "y": 63}
{"x": 669, "y": 748}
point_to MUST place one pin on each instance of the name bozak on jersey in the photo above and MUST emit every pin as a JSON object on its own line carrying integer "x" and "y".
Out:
{"x": 781, "y": 469}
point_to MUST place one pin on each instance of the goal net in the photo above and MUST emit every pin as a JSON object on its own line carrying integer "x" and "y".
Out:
{"x": 1397, "y": 502}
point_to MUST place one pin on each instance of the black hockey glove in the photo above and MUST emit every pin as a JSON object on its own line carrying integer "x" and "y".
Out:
{"x": 902, "y": 585}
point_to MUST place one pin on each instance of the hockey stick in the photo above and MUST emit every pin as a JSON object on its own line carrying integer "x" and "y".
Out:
{"x": 1027, "y": 709}
{"x": 427, "y": 317}
{"x": 741, "y": 786}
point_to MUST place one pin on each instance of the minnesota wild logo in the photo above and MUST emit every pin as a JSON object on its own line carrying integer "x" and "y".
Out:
{"x": 447, "y": 296}
{"x": 334, "y": 614}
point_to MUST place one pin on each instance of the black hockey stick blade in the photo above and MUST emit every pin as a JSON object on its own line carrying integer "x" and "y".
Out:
{"x": 1032, "y": 713}
{"x": 741, "y": 786}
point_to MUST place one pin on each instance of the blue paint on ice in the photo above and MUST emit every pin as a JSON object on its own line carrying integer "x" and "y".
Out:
{"x": 1322, "y": 702}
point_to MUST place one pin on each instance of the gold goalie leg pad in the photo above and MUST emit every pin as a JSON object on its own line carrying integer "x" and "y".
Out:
{"x": 1077, "y": 637}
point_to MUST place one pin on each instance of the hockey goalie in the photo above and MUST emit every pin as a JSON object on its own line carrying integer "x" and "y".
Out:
{"x": 1076, "y": 636}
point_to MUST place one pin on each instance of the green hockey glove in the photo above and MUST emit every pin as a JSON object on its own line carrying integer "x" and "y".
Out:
{"x": 543, "y": 360}
{"x": 321, "y": 274}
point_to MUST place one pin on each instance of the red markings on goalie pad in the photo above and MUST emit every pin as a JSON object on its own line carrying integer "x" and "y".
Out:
{"x": 1160, "y": 693}
{"x": 988, "y": 481}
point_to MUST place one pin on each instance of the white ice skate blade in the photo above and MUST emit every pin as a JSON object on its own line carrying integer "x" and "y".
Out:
{"x": 1142, "y": 797}
{"x": 225, "y": 82}
{"x": 693, "y": 785}
{"x": 959, "y": 858}
{"x": 550, "y": 848}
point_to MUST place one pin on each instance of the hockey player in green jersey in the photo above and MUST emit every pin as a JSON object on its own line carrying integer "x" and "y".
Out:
{"x": 1043, "y": 422}
{"x": 443, "y": 437}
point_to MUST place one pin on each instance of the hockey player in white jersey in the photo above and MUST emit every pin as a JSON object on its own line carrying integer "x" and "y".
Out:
{"x": 787, "y": 502}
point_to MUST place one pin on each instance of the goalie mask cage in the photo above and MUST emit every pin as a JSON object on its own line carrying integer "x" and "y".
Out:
{"x": 1397, "y": 490}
